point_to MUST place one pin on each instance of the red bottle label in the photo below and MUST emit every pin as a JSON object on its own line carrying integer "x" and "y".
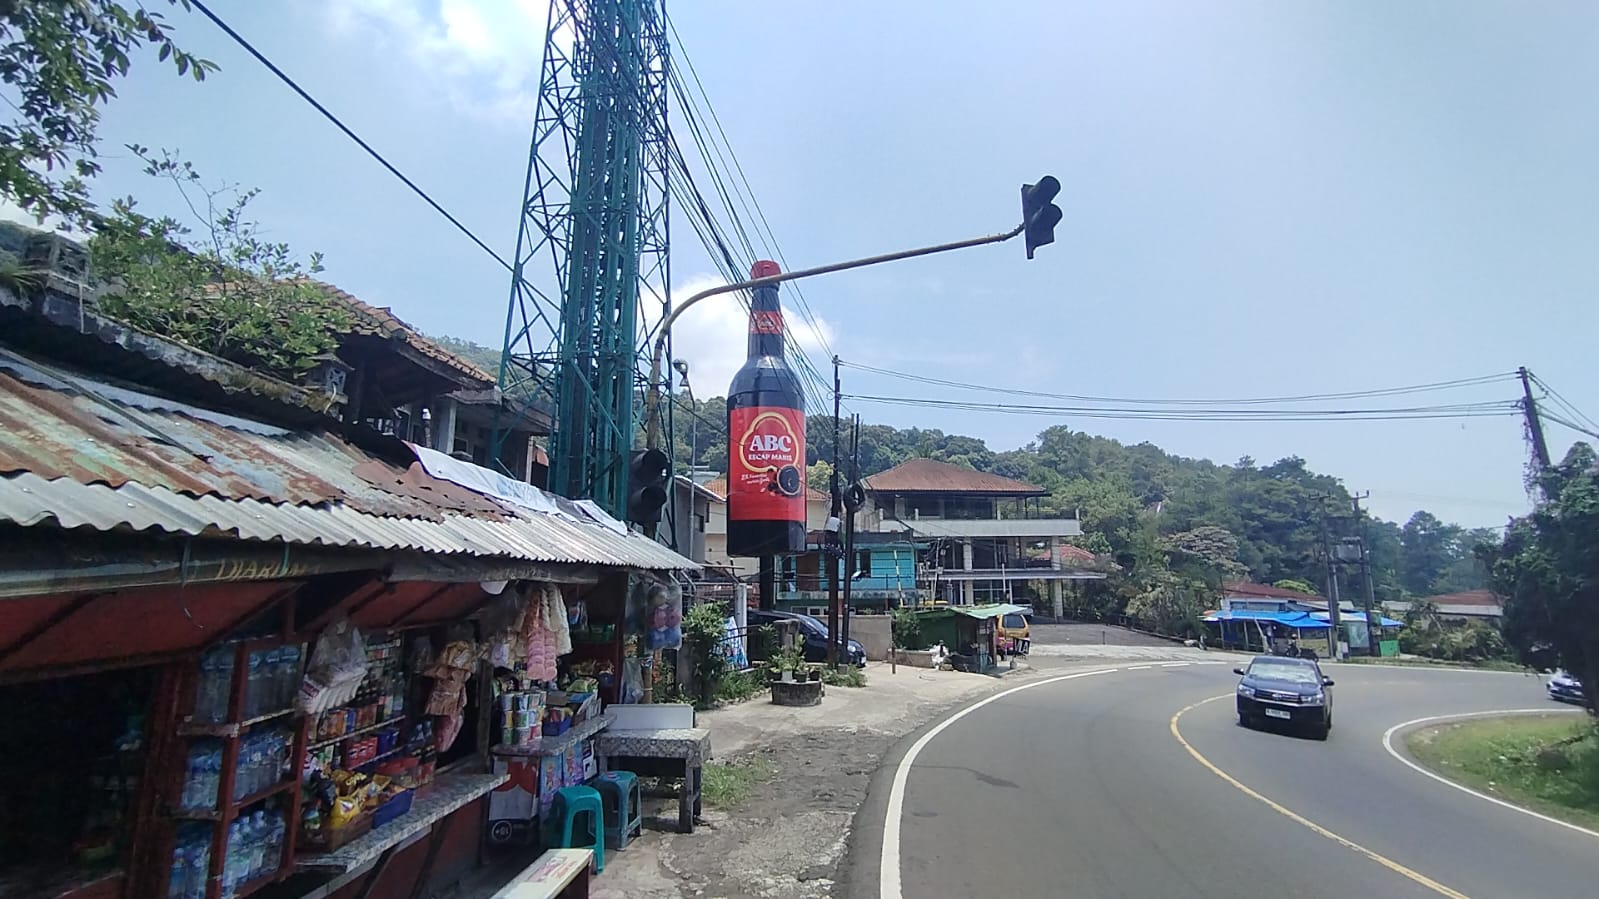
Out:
{"x": 766, "y": 465}
{"x": 766, "y": 322}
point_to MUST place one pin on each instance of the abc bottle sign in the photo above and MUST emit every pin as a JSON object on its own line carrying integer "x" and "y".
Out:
{"x": 766, "y": 477}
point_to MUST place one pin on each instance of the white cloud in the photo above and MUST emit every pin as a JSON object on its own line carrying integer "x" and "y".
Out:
{"x": 485, "y": 53}
{"x": 712, "y": 337}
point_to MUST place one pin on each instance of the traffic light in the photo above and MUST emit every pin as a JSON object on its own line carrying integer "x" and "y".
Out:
{"x": 1040, "y": 215}
{"x": 647, "y": 472}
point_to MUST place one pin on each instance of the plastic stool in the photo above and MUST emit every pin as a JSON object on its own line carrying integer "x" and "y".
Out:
{"x": 571, "y": 802}
{"x": 623, "y": 801}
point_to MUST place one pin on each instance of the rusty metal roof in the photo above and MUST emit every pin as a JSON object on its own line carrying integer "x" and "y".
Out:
{"x": 81, "y": 453}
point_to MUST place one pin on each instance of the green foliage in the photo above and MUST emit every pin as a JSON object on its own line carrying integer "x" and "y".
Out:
{"x": 1289, "y": 583}
{"x": 223, "y": 288}
{"x": 1549, "y": 763}
{"x": 907, "y": 630}
{"x": 847, "y": 676}
{"x": 58, "y": 60}
{"x": 1547, "y": 570}
{"x": 738, "y": 686}
{"x": 704, "y": 629}
{"x": 1472, "y": 642}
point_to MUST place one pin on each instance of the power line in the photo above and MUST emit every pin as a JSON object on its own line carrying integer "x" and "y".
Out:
{"x": 1461, "y": 410}
{"x": 1559, "y": 420}
{"x": 1563, "y": 402}
{"x": 306, "y": 96}
{"x": 1311, "y": 397}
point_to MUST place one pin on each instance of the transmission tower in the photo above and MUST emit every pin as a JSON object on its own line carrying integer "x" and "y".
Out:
{"x": 591, "y": 246}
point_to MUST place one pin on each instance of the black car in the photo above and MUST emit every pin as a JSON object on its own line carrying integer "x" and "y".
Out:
{"x": 1288, "y": 690}
{"x": 814, "y": 632}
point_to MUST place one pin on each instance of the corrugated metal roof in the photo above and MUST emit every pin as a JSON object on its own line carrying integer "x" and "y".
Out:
{"x": 79, "y": 453}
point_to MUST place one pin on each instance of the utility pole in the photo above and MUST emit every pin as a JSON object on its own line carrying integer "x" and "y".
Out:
{"x": 1373, "y": 624}
{"x": 849, "y": 529}
{"x": 830, "y": 552}
{"x": 1529, "y": 408}
{"x": 1332, "y": 586}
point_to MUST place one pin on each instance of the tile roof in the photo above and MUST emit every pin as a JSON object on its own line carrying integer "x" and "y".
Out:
{"x": 1265, "y": 591}
{"x": 75, "y": 452}
{"x": 1468, "y": 598}
{"x": 380, "y": 321}
{"x": 931, "y": 476}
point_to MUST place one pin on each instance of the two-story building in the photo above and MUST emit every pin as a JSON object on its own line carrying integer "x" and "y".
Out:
{"x": 981, "y": 537}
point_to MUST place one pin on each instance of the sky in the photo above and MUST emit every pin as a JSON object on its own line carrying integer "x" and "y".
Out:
{"x": 1261, "y": 198}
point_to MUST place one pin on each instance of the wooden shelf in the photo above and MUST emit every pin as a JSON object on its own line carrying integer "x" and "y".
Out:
{"x": 193, "y": 728}
{"x": 392, "y": 722}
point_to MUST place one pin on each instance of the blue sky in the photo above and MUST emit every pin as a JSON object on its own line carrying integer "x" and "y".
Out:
{"x": 1261, "y": 198}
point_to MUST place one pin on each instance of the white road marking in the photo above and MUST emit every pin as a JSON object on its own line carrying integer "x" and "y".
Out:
{"x": 1388, "y": 744}
{"x": 1139, "y": 667}
{"x": 1176, "y": 664}
{"x": 888, "y": 866}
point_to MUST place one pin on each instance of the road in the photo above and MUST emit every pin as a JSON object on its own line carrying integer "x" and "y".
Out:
{"x": 1083, "y": 787}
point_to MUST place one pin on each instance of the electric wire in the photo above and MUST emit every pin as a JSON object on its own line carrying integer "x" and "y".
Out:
{"x": 1563, "y": 402}
{"x": 1496, "y": 408}
{"x": 1311, "y": 397}
{"x": 348, "y": 132}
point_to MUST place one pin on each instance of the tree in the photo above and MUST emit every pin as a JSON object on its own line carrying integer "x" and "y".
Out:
{"x": 224, "y": 289}
{"x": 1547, "y": 571}
{"x": 1296, "y": 586}
{"x": 58, "y": 61}
{"x": 1429, "y": 547}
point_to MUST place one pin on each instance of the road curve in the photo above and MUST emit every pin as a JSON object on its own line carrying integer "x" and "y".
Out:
{"x": 1084, "y": 788}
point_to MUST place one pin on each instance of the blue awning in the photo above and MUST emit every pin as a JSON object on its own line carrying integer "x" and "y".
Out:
{"x": 1296, "y": 620}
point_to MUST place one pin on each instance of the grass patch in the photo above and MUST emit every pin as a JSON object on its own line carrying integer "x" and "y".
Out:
{"x": 848, "y": 676}
{"x": 738, "y": 686}
{"x": 726, "y": 784}
{"x": 1548, "y": 763}
{"x": 1486, "y": 665}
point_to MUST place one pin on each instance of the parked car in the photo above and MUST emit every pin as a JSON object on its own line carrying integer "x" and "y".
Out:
{"x": 1565, "y": 688}
{"x": 1285, "y": 689}
{"x": 814, "y": 632}
{"x": 1014, "y": 634}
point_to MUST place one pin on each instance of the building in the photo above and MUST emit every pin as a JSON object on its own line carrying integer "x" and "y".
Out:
{"x": 1251, "y": 613}
{"x": 1457, "y": 608}
{"x": 161, "y": 509}
{"x": 987, "y": 537}
{"x": 882, "y": 574}
{"x": 817, "y": 508}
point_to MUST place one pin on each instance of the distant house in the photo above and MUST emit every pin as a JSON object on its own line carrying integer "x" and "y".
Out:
{"x": 1250, "y": 613}
{"x": 1458, "y": 608}
{"x": 986, "y": 537}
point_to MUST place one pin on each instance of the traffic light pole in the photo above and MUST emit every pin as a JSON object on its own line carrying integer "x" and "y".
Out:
{"x": 652, "y": 398}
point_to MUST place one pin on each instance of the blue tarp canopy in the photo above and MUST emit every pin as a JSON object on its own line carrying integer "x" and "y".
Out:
{"x": 1296, "y": 620}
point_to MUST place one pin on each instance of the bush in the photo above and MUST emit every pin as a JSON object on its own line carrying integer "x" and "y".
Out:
{"x": 704, "y": 629}
{"x": 848, "y": 676}
{"x": 908, "y": 630}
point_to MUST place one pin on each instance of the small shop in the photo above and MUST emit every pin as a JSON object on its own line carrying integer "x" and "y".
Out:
{"x": 244, "y": 660}
{"x": 968, "y": 632}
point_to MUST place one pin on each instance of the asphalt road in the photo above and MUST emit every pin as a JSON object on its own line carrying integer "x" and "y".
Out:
{"x": 1080, "y": 788}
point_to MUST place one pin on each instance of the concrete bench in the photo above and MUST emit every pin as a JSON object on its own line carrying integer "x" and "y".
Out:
{"x": 557, "y": 874}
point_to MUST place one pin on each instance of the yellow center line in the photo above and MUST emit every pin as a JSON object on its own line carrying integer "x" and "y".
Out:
{"x": 1292, "y": 815}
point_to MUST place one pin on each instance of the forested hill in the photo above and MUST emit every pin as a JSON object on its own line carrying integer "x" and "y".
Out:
{"x": 1134, "y": 499}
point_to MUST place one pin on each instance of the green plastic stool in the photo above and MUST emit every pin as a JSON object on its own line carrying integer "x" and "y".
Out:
{"x": 623, "y": 801}
{"x": 571, "y": 802}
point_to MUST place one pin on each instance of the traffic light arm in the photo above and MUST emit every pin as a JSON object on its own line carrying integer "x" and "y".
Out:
{"x": 652, "y": 398}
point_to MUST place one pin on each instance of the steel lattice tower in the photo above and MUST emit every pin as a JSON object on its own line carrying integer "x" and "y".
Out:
{"x": 592, "y": 243}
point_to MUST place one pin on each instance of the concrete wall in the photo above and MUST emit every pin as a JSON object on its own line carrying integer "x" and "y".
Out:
{"x": 876, "y": 633}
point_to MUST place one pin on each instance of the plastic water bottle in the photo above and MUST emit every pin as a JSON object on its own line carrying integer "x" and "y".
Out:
{"x": 276, "y": 831}
{"x": 252, "y": 687}
{"x": 258, "y": 837}
{"x": 236, "y": 863}
{"x": 291, "y": 675}
{"x": 178, "y": 882}
{"x": 191, "y": 779}
{"x": 212, "y": 790}
{"x": 199, "y": 855}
